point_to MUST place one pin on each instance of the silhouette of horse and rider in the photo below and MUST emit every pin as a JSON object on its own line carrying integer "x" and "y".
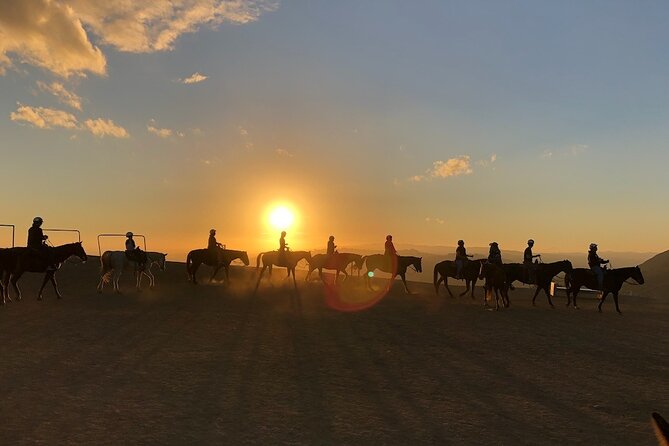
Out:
{"x": 36, "y": 257}
{"x": 216, "y": 256}
{"x": 283, "y": 257}
{"x": 391, "y": 262}
{"x": 333, "y": 260}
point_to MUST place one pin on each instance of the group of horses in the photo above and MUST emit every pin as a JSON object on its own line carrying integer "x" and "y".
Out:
{"x": 500, "y": 278}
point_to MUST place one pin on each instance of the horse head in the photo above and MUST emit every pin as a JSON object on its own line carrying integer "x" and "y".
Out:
{"x": 79, "y": 251}
{"x": 161, "y": 261}
{"x": 359, "y": 260}
{"x": 245, "y": 258}
{"x": 418, "y": 264}
{"x": 567, "y": 267}
{"x": 637, "y": 276}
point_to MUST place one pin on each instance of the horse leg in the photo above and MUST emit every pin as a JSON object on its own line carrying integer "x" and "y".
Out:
{"x": 227, "y": 274}
{"x": 473, "y": 287}
{"x": 218, "y": 266}
{"x": 599, "y": 307}
{"x": 447, "y": 288}
{"x": 194, "y": 268}
{"x": 548, "y": 294}
{"x": 404, "y": 281}
{"x": 536, "y": 293}
{"x": 55, "y": 286}
{"x": 46, "y": 279}
{"x": 259, "y": 278}
{"x": 14, "y": 280}
{"x": 466, "y": 288}
{"x": 5, "y": 286}
{"x": 115, "y": 278}
{"x": 615, "y": 299}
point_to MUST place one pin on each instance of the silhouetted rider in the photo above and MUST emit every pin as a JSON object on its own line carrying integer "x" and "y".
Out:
{"x": 595, "y": 263}
{"x": 528, "y": 261}
{"x": 460, "y": 258}
{"x": 389, "y": 248}
{"x": 37, "y": 242}
{"x": 133, "y": 252}
{"x": 283, "y": 247}
{"x": 494, "y": 254}
{"x": 331, "y": 246}
{"x": 214, "y": 248}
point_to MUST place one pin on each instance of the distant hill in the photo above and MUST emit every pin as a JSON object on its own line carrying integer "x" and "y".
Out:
{"x": 656, "y": 273}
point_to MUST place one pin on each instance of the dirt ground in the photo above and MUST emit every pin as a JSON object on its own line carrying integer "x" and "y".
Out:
{"x": 211, "y": 364}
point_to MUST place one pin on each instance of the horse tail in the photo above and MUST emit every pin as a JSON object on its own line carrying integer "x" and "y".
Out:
{"x": 258, "y": 261}
{"x": 189, "y": 264}
{"x": 435, "y": 278}
{"x": 105, "y": 271}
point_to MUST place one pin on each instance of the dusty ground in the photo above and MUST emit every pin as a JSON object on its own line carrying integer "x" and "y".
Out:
{"x": 210, "y": 364}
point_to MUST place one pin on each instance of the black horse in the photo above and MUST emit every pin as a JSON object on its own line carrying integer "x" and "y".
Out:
{"x": 14, "y": 262}
{"x": 197, "y": 257}
{"x": 395, "y": 266}
{"x": 447, "y": 268}
{"x": 338, "y": 261}
{"x": 544, "y": 276}
{"x": 495, "y": 280}
{"x": 613, "y": 282}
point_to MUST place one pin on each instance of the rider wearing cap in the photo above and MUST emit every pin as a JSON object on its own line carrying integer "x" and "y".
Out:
{"x": 37, "y": 241}
{"x": 595, "y": 263}
{"x": 331, "y": 246}
{"x": 389, "y": 248}
{"x": 214, "y": 247}
{"x": 528, "y": 261}
{"x": 133, "y": 252}
{"x": 495, "y": 255}
{"x": 460, "y": 258}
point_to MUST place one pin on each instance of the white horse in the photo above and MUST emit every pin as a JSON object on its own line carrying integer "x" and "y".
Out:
{"x": 113, "y": 263}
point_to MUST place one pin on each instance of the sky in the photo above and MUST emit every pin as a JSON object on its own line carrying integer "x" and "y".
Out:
{"x": 432, "y": 121}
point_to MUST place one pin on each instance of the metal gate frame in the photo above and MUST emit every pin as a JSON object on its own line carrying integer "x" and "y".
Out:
{"x": 13, "y": 231}
{"x": 65, "y": 230}
{"x": 118, "y": 235}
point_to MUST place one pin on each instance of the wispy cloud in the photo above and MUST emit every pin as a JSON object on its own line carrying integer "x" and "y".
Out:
{"x": 61, "y": 93}
{"x": 194, "y": 78}
{"x": 488, "y": 162}
{"x": 44, "y": 118}
{"x": 572, "y": 150}
{"x": 105, "y": 127}
{"x": 284, "y": 153}
{"x": 436, "y": 220}
{"x": 162, "y": 133}
{"x": 452, "y": 167}
{"x": 54, "y": 35}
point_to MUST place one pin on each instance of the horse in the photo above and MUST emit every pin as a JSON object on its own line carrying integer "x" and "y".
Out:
{"x": 16, "y": 261}
{"x": 197, "y": 257}
{"x": 336, "y": 261}
{"x": 113, "y": 263}
{"x": 287, "y": 259}
{"x": 661, "y": 428}
{"x": 544, "y": 276}
{"x": 495, "y": 279}
{"x": 390, "y": 265}
{"x": 613, "y": 282}
{"x": 447, "y": 268}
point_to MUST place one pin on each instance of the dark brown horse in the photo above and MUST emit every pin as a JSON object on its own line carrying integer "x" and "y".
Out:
{"x": 544, "y": 276}
{"x": 198, "y": 257}
{"x": 613, "y": 282}
{"x": 287, "y": 259}
{"x": 16, "y": 261}
{"x": 447, "y": 268}
{"x": 396, "y": 266}
{"x": 337, "y": 261}
{"x": 495, "y": 280}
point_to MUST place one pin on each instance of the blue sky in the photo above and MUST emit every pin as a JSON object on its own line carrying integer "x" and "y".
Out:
{"x": 554, "y": 115}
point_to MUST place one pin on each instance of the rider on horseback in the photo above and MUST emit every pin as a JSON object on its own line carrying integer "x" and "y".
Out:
{"x": 495, "y": 255}
{"x": 389, "y": 247}
{"x": 460, "y": 258}
{"x": 332, "y": 248}
{"x": 214, "y": 248}
{"x": 37, "y": 242}
{"x": 134, "y": 253}
{"x": 595, "y": 263}
{"x": 283, "y": 247}
{"x": 528, "y": 261}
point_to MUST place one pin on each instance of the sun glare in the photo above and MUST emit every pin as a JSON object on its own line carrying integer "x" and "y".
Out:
{"x": 281, "y": 217}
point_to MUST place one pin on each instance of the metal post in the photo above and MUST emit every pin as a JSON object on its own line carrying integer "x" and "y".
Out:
{"x": 65, "y": 230}
{"x": 13, "y": 231}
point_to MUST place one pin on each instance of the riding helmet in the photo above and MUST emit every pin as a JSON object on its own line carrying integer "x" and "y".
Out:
{"x": 530, "y": 242}
{"x": 128, "y": 234}
{"x": 389, "y": 237}
{"x": 37, "y": 220}
{"x": 593, "y": 245}
{"x": 331, "y": 237}
{"x": 461, "y": 242}
{"x": 212, "y": 231}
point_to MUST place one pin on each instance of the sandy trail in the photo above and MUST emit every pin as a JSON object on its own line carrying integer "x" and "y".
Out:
{"x": 210, "y": 364}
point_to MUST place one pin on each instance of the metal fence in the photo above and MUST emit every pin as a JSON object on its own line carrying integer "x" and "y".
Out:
{"x": 13, "y": 231}
{"x": 73, "y": 231}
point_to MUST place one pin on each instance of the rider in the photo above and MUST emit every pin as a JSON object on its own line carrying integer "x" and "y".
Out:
{"x": 37, "y": 241}
{"x": 595, "y": 263}
{"x": 283, "y": 247}
{"x": 528, "y": 261}
{"x": 133, "y": 252}
{"x": 460, "y": 258}
{"x": 214, "y": 247}
{"x": 495, "y": 255}
{"x": 389, "y": 247}
{"x": 332, "y": 248}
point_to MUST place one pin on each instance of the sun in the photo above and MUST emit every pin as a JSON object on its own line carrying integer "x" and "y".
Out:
{"x": 281, "y": 217}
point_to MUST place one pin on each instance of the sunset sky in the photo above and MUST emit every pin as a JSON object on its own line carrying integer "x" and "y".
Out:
{"x": 428, "y": 120}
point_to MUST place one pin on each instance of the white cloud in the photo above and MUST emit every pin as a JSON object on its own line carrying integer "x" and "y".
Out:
{"x": 54, "y": 34}
{"x": 61, "y": 93}
{"x": 488, "y": 162}
{"x": 284, "y": 152}
{"x": 44, "y": 118}
{"x": 460, "y": 165}
{"x": 105, "y": 127}
{"x": 436, "y": 220}
{"x": 243, "y": 131}
{"x": 47, "y": 34}
{"x": 572, "y": 150}
{"x": 194, "y": 78}
{"x": 162, "y": 133}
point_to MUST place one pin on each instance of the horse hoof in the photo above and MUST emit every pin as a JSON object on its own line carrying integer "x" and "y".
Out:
{"x": 60, "y": 296}
{"x": 39, "y": 297}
